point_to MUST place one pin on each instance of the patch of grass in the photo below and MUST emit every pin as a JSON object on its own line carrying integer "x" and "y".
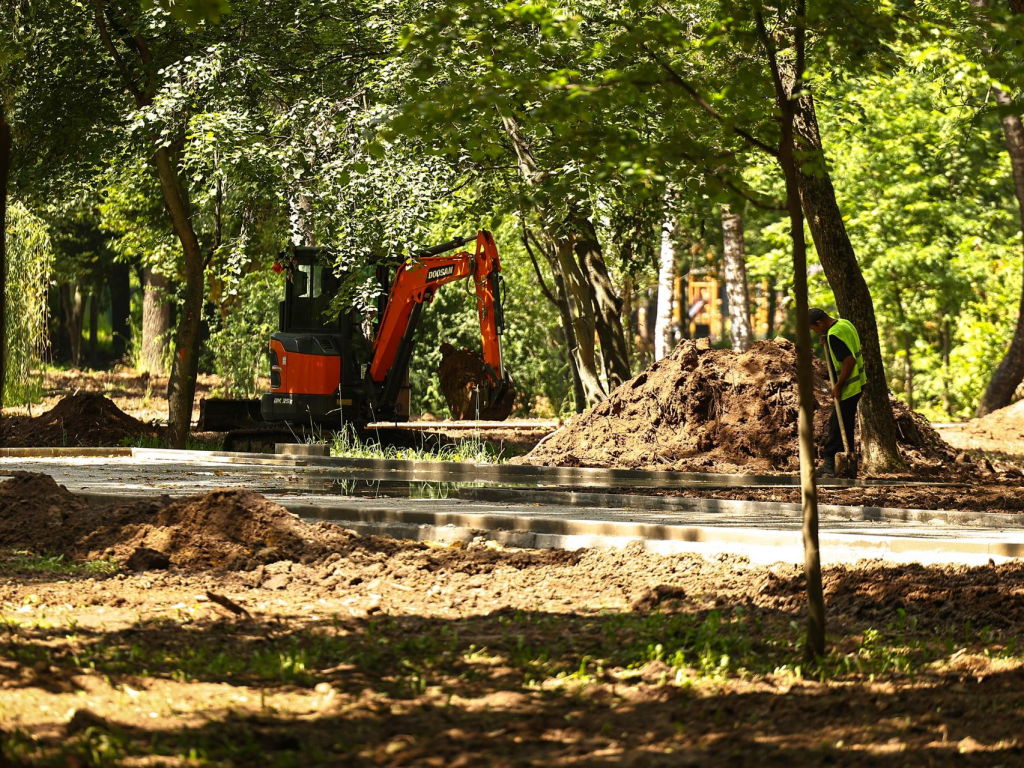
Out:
{"x": 347, "y": 444}
{"x": 23, "y": 561}
{"x": 191, "y": 443}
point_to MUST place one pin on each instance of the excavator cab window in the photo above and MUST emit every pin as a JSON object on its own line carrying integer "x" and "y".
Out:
{"x": 311, "y": 290}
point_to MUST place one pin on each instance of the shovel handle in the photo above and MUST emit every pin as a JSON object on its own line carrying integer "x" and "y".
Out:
{"x": 839, "y": 410}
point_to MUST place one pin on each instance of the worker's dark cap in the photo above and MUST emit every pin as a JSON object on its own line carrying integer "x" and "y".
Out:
{"x": 816, "y": 315}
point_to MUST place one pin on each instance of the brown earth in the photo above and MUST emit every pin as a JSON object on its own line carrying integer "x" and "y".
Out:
{"x": 388, "y": 653}
{"x": 1000, "y": 433}
{"x": 79, "y": 419}
{"x": 462, "y": 375}
{"x": 977, "y": 497}
{"x": 140, "y": 395}
{"x": 716, "y": 410}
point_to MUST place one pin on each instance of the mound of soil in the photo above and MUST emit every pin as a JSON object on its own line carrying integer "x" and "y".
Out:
{"x": 80, "y": 419}
{"x": 999, "y": 434}
{"x": 714, "y": 410}
{"x": 227, "y": 529}
{"x": 462, "y": 374}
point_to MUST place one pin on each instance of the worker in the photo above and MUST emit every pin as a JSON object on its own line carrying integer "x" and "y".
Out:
{"x": 843, "y": 344}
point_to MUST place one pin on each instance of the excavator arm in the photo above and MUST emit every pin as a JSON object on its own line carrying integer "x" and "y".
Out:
{"x": 415, "y": 283}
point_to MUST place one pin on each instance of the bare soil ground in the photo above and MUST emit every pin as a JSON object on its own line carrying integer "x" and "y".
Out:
{"x": 999, "y": 434}
{"x": 267, "y": 641}
{"x": 141, "y": 396}
{"x": 1006, "y": 496}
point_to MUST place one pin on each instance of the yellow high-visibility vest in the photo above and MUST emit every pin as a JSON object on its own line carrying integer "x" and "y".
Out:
{"x": 845, "y": 331}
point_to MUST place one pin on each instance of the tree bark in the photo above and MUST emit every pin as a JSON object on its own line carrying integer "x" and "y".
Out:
{"x": 184, "y": 368}
{"x": 6, "y": 143}
{"x": 664, "y": 328}
{"x": 156, "y": 323}
{"x": 815, "y": 642}
{"x": 181, "y": 389}
{"x": 736, "y": 289}
{"x": 853, "y": 299}
{"x": 71, "y": 305}
{"x": 1010, "y": 373}
{"x": 120, "y": 308}
{"x": 561, "y": 302}
{"x": 607, "y": 307}
{"x": 580, "y": 295}
{"x": 94, "y": 322}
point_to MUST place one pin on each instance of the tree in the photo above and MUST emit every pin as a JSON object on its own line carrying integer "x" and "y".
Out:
{"x": 664, "y": 331}
{"x": 737, "y": 291}
{"x": 5, "y": 167}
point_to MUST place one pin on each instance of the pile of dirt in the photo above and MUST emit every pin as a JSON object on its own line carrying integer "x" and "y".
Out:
{"x": 714, "y": 410}
{"x": 464, "y": 380}
{"x": 226, "y": 529}
{"x": 999, "y": 434}
{"x": 80, "y": 419}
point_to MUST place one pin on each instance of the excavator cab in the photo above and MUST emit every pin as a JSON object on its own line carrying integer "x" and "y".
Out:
{"x": 324, "y": 371}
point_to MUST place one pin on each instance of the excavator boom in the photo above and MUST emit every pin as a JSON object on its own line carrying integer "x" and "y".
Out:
{"x": 415, "y": 283}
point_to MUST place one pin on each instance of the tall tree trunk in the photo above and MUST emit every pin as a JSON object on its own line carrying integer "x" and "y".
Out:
{"x": 182, "y": 386}
{"x": 94, "y": 322}
{"x": 815, "y": 643}
{"x": 607, "y": 307}
{"x": 71, "y": 305}
{"x": 580, "y": 296}
{"x": 6, "y": 142}
{"x": 120, "y": 308}
{"x": 156, "y": 322}
{"x": 947, "y": 402}
{"x": 736, "y": 289}
{"x": 825, "y": 220}
{"x": 664, "y": 328}
{"x": 1010, "y": 373}
{"x": 773, "y": 306}
{"x": 578, "y": 392}
{"x": 181, "y": 389}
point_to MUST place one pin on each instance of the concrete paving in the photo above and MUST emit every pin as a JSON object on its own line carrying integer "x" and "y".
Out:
{"x": 763, "y": 531}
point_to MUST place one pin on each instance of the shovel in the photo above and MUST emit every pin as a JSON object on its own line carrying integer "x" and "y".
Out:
{"x": 846, "y": 462}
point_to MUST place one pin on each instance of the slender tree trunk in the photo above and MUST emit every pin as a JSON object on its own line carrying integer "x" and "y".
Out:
{"x": 120, "y": 308}
{"x": 664, "y": 328}
{"x": 947, "y": 403}
{"x": 825, "y": 220}
{"x": 1010, "y": 373}
{"x": 94, "y": 322}
{"x": 805, "y": 357}
{"x": 71, "y": 305}
{"x": 6, "y": 142}
{"x": 579, "y": 394}
{"x": 773, "y": 305}
{"x": 607, "y": 307}
{"x": 736, "y": 288}
{"x": 156, "y": 322}
{"x": 580, "y": 296}
{"x": 181, "y": 389}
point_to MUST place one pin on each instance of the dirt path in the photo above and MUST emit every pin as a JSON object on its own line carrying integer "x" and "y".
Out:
{"x": 278, "y": 642}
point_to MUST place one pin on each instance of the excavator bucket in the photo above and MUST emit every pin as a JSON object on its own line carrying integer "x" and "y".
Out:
{"x": 467, "y": 384}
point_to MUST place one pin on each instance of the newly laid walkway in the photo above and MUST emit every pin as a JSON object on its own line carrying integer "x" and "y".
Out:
{"x": 388, "y": 500}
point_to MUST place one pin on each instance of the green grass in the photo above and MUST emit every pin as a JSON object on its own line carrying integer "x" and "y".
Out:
{"x": 191, "y": 444}
{"x": 348, "y": 445}
{"x": 22, "y": 561}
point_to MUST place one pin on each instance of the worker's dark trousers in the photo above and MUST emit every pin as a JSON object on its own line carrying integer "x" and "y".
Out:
{"x": 834, "y": 444}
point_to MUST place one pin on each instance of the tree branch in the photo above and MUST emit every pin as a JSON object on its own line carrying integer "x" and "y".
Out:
{"x": 703, "y": 103}
{"x": 105, "y": 36}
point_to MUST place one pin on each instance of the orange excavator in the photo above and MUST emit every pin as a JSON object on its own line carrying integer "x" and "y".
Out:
{"x": 324, "y": 371}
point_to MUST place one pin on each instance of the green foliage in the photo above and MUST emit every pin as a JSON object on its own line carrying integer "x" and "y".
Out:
{"x": 240, "y": 332}
{"x": 29, "y": 265}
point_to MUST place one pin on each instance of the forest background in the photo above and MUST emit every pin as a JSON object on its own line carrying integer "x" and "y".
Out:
{"x": 162, "y": 155}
